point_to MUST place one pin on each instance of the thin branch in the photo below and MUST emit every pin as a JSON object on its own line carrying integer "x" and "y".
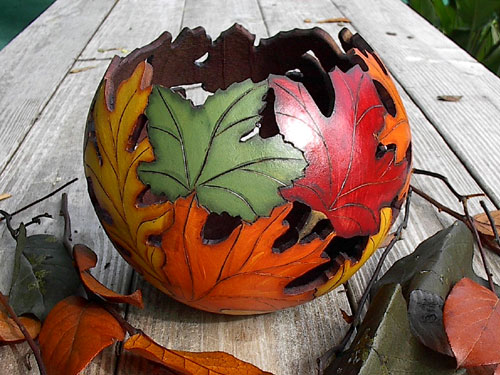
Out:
{"x": 125, "y": 325}
{"x": 29, "y": 339}
{"x": 364, "y": 298}
{"x": 438, "y": 205}
{"x": 67, "y": 223}
{"x": 8, "y": 222}
{"x": 42, "y": 199}
{"x": 492, "y": 222}
{"x": 439, "y": 176}
{"x": 480, "y": 246}
{"x": 36, "y": 219}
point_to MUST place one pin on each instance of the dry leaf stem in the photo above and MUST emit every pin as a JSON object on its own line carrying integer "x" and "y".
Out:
{"x": 41, "y": 199}
{"x": 465, "y": 217}
{"x": 34, "y": 347}
{"x": 324, "y": 359}
{"x": 67, "y": 223}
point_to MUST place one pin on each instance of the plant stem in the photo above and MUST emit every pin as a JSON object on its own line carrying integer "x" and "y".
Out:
{"x": 481, "y": 249}
{"x": 29, "y": 339}
{"x": 125, "y": 325}
{"x": 364, "y": 298}
{"x": 492, "y": 222}
{"x": 439, "y": 206}
{"x": 42, "y": 198}
{"x": 67, "y": 223}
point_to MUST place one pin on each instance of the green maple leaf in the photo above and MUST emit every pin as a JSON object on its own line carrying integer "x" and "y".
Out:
{"x": 203, "y": 149}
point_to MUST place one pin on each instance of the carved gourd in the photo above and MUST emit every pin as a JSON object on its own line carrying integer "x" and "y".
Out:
{"x": 273, "y": 192}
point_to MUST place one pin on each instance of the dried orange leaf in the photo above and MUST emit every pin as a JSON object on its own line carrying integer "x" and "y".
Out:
{"x": 10, "y": 332}
{"x": 74, "y": 332}
{"x": 209, "y": 363}
{"x": 472, "y": 322}
{"x": 86, "y": 259}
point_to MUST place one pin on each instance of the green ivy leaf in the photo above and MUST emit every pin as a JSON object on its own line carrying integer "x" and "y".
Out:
{"x": 43, "y": 274}
{"x": 205, "y": 149}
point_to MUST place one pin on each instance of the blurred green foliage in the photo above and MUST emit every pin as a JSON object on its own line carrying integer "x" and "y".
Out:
{"x": 472, "y": 24}
{"x": 15, "y": 15}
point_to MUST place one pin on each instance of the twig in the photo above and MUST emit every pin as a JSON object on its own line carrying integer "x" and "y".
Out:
{"x": 8, "y": 221}
{"x": 29, "y": 339}
{"x": 67, "y": 223}
{"x": 357, "y": 315}
{"x": 42, "y": 199}
{"x": 480, "y": 245}
{"x": 492, "y": 222}
{"x": 36, "y": 219}
{"x": 439, "y": 176}
{"x": 125, "y": 325}
{"x": 439, "y": 206}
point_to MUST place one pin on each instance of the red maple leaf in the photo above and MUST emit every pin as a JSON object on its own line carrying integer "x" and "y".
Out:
{"x": 344, "y": 179}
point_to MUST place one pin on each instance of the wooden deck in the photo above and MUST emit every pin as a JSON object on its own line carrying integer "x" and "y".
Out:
{"x": 50, "y": 73}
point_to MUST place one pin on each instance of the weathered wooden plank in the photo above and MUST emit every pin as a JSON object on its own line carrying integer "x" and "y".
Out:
{"x": 35, "y": 63}
{"x": 50, "y": 155}
{"x": 133, "y": 24}
{"x": 427, "y": 67}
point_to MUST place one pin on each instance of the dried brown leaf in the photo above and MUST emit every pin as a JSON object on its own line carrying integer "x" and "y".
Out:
{"x": 208, "y": 363}
{"x": 10, "y": 332}
{"x": 485, "y": 230}
{"x": 86, "y": 259}
{"x": 74, "y": 332}
{"x": 79, "y": 70}
{"x": 330, "y": 20}
{"x": 472, "y": 322}
{"x": 449, "y": 98}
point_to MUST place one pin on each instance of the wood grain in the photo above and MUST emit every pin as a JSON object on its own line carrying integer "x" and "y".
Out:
{"x": 35, "y": 63}
{"x": 286, "y": 342}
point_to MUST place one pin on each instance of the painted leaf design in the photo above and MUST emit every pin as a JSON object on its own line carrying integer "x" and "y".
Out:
{"x": 203, "y": 149}
{"x": 74, "y": 332}
{"x": 86, "y": 259}
{"x": 209, "y": 363}
{"x": 397, "y": 129}
{"x": 243, "y": 266}
{"x": 472, "y": 322}
{"x": 10, "y": 332}
{"x": 345, "y": 179}
{"x": 112, "y": 153}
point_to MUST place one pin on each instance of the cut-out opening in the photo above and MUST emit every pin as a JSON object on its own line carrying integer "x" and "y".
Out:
{"x": 384, "y": 149}
{"x": 201, "y": 60}
{"x": 385, "y": 98}
{"x": 295, "y": 219}
{"x": 180, "y": 91}
{"x": 138, "y": 134}
{"x": 154, "y": 240}
{"x": 147, "y": 198}
{"x": 218, "y": 228}
{"x": 268, "y": 126}
{"x": 252, "y": 133}
{"x": 338, "y": 251}
{"x": 295, "y": 75}
{"x": 320, "y": 230}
